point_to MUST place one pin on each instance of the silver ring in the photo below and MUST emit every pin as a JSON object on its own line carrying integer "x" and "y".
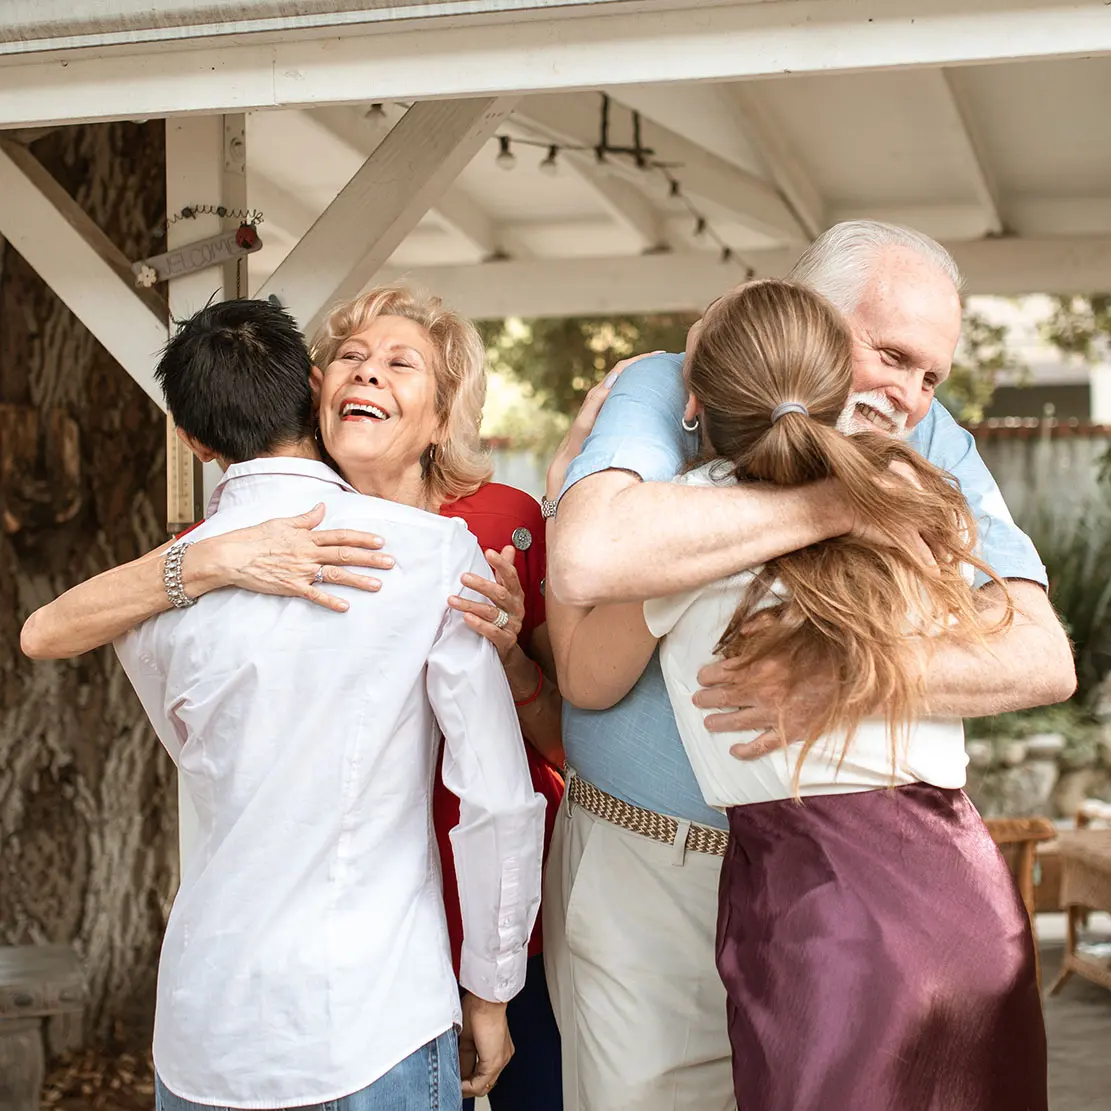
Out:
{"x": 319, "y": 576}
{"x": 501, "y": 619}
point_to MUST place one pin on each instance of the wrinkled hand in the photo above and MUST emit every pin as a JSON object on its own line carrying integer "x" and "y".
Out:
{"x": 505, "y": 593}
{"x": 283, "y": 555}
{"x": 753, "y": 697}
{"x": 581, "y": 426}
{"x": 485, "y": 1047}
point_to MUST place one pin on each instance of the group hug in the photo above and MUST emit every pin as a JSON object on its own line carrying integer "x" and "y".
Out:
{"x": 645, "y": 798}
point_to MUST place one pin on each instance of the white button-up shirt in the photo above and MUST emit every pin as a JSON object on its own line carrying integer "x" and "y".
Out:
{"x": 307, "y": 950}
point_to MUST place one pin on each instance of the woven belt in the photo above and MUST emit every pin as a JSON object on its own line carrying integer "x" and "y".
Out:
{"x": 656, "y": 827}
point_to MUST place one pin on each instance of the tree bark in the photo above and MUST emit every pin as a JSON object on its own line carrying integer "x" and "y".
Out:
{"x": 87, "y": 795}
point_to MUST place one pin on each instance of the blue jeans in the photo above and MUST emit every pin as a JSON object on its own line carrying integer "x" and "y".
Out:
{"x": 533, "y": 1079}
{"x": 427, "y": 1080}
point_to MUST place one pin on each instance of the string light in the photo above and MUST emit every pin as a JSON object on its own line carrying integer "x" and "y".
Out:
{"x": 549, "y": 166}
{"x": 639, "y": 157}
{"x": 376, "y": 113}
{"x": 506, "y": 159}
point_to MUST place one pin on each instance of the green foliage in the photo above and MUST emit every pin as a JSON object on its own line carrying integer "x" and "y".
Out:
{"x": 1076, "y": 551}
{"x": 560, "y": 360}
{"x": 982, "y": 359}
{"x": 1070, "y": 719}
{"x": 1080, "y": 325}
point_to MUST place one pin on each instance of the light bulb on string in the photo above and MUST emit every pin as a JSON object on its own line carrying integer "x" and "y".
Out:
{"x": 550, "y": 166}
{"x": 376, "y": 113}
{"x": 726, "y": 254}
{"x": 700, "y": 225}
{"x": 506, "y": 159}
{"x": 674, "y": 189}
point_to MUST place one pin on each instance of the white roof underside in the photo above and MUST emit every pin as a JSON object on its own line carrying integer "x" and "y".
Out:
{"x": 983, "y": 123}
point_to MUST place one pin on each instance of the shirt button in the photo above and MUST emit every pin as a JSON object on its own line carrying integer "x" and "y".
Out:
{"x": 522, "y": 539}
{"x": 506, "y": 922}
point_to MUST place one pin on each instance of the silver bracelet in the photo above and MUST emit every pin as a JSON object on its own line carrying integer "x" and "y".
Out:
{"x": 171, "y": 575}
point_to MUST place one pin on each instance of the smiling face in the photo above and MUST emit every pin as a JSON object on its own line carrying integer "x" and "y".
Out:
{"x": 377, "y": 401}
{"x": 905, "y": 332}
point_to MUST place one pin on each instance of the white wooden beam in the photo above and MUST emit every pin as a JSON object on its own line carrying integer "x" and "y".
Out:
{"x": 623, "y": 201}
{"x": 456, "y": 210}
{"x": 559, "y": 48}
{"x": 462, "y": 214}
{"x": 382, "y": 203}
{"x": 782, "y": 160}
{"x": 732, "y": 122}
{"x": 703, "y": 113}
{"x": 81, "y": 265}
{"x": 960, "y": 123}
{"x": 680, "y": 282}
{"x": 574, "y": 118}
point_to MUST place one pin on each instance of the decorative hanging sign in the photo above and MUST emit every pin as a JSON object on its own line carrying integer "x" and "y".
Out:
{"x": 225, "y": 247}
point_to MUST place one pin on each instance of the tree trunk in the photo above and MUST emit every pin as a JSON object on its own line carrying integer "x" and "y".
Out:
{"x": 87, "y": 796}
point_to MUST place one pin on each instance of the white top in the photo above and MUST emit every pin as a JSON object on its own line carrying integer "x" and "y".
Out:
{"x": 691, "y": 625}
{"x": 307, "y": 951}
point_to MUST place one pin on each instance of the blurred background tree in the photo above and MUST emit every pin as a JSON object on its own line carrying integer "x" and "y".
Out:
{"x": 983, "y": 358}
{"x": 541, "y": 369}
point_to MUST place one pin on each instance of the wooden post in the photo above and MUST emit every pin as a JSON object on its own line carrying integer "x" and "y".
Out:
{"x": 206, "y": 163}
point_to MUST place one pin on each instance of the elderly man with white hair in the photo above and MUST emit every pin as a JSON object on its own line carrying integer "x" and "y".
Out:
{"x": 632, "y": 884}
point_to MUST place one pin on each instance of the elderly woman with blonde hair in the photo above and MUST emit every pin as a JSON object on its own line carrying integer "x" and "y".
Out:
{"x": 399, "y": 383}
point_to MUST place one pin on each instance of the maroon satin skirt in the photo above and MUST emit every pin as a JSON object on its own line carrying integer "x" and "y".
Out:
{"x": 877, "y": 957}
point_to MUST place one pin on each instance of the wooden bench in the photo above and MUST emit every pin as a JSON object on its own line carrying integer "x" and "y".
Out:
{"x": 39, "y": 985}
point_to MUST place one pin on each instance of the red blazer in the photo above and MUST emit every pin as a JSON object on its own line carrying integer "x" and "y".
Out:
{"x": 494, "y": 514}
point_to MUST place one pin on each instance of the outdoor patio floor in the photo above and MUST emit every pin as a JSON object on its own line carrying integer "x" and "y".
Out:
{"x": 1078, "y": 1025}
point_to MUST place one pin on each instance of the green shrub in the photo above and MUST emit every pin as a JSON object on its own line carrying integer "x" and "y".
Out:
{"x": 1076, "y": 551}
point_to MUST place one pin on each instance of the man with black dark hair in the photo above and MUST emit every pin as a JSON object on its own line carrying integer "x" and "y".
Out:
{"x": 236, "y": 379}
{"x": 306, "y": 959}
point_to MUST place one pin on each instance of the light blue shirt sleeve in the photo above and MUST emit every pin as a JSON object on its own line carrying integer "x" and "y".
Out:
{"x": 640, "y": 427}
{"x": 1003, "y": 545}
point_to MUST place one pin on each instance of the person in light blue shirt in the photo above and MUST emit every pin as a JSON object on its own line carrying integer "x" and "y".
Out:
{"x": 630, "y": 924}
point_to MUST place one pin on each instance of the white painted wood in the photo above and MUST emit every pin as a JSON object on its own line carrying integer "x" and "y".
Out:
{"x": 689, "y": 281}
{"x": 568, "y": 48}
{"x": 782, "y": 160}
{"x": 622, "y": 200}
{"x": 959, "y": 122}
{"x": 200, "y": 171}
{"x": 382, "y": 203}
{"x": 704, "y": 113}
{"x": 456, "y": 210}
{"x": 574, "y": 118}
{"x": 462, "y": 214}
{"x": 77, "y": 260}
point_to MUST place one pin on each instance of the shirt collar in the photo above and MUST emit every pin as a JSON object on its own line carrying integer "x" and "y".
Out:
{"x": 277, "y": 465}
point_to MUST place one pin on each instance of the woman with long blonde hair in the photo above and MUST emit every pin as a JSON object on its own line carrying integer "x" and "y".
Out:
{"x": 873, "y": 946}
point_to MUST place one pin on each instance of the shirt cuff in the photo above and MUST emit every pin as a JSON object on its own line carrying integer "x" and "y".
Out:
{"x": 496, "y": 980}
{"x": 650, "y": 464}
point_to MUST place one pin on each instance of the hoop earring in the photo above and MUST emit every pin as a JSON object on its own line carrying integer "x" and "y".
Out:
{"x": 691, "y": 426}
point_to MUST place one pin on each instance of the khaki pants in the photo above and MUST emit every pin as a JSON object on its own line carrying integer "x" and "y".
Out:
{"x": 629, "y": 928}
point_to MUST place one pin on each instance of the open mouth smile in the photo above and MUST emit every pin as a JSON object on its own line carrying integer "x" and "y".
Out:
{"x": 357, "y": 409}
{"x": 881, "y": 421}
